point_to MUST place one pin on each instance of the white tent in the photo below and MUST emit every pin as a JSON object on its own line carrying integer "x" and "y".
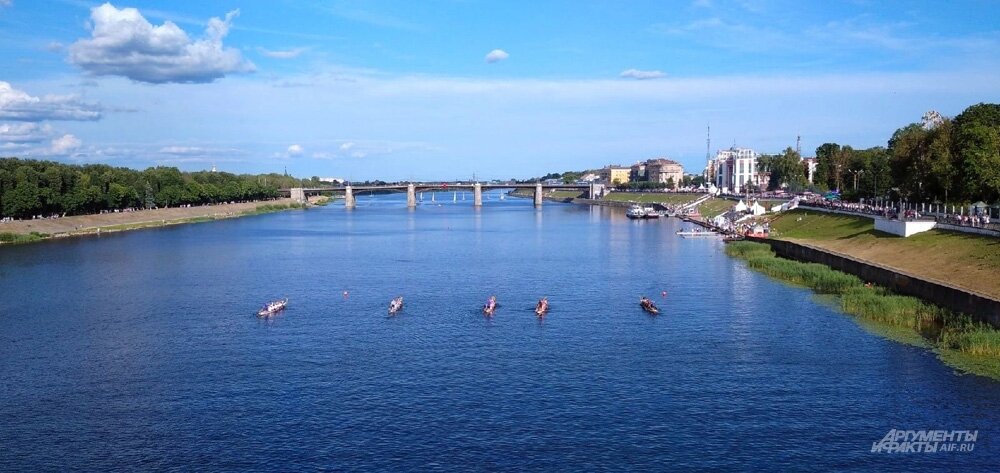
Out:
{"x": 740, "y": 207}
{"x": 757, "y": 209}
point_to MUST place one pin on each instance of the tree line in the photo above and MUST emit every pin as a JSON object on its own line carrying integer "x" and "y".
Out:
{"x": 33, "y": 187}
{"x": 940, "y": 159}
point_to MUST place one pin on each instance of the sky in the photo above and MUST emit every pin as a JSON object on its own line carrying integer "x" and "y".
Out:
{"x": 451, "y": 89}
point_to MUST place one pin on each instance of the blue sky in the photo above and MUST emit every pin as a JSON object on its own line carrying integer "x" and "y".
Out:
{"x": 443, "y": 89}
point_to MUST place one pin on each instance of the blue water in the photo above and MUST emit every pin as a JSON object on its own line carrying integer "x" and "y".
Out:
{"x": 140, "y": 351}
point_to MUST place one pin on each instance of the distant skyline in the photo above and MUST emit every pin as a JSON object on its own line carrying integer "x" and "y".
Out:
{"x": 443, "y": 89}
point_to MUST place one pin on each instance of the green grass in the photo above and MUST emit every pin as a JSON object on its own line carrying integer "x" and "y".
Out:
{"x": 959, "y": 341}
{"x": 268, "y": 208}
{"x": 815, "y": 225}
{"x": 18, "y": 238}
{"x": 652, "y": 197}
{"x": 565, "y": 194}
{"x": 712, "y": 207}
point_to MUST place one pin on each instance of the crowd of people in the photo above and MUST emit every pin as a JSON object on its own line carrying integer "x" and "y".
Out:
{"x": 887, "y": 211}
{"x": 977, "y": 217}
{"x": 980, "y": 220}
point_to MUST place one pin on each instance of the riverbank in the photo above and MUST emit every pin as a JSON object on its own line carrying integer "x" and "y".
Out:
{"x": 960, "y": 342}
{"x": 967, "y": 261}
{"x": 28, "y": 231}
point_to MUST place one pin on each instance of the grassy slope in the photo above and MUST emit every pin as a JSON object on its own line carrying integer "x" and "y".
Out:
{"x": 965, "y": 260}
{"x": 712, "y": 207}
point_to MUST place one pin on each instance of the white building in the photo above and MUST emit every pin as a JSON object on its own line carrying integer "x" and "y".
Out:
{"x": 734, "y": 169}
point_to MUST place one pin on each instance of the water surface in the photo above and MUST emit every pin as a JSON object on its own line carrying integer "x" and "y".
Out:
{"x": 141, "y": 351}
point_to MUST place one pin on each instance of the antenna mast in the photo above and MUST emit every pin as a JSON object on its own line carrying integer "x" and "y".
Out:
{"x": 798, "y": 145}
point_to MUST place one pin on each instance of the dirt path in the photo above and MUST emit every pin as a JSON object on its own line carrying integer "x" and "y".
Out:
{"x": 89, "y": 223}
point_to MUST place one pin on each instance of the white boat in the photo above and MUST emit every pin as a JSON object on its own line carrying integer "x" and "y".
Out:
{"x": 697, "y": 233}
{"x": 272, "y": 308}
{"x": 638, "y": 211}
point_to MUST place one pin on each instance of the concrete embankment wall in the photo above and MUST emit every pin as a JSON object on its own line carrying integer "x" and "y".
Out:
{"x": 979, "y": 306}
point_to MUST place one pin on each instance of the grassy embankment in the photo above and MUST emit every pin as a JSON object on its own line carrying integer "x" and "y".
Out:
{"x": 959, "y": 341}
{"x": 968, "y": 261}
{"x": 712, "y": 207}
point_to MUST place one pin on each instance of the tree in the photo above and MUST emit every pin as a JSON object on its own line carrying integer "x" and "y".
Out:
{"x": 826, "y": 172}
{"x": 976, "y": 149}
{"x": 785, "y": 169}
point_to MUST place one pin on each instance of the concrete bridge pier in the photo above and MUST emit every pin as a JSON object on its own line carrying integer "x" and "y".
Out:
{"x": 538, "y": 194}
{"x": 411, "y": 195}
{"x": 349, "y": 202}
{"x": 477, "y": 195}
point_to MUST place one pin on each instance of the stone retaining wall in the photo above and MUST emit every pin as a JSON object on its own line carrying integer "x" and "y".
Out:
{"x": 979, "y": 306}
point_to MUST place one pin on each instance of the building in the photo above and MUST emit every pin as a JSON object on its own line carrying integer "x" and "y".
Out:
{"x": 664, "y": 170}
{"x": 588, "y": 178}
{"x": 734, "y": 169}
{"x": 614, "y": 174}
{"x": 637, "y": 172}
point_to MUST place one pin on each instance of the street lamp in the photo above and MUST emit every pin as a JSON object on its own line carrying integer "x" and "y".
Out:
{"x": 856, "y": 172}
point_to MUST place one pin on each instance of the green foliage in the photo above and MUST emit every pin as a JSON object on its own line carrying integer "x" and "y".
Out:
{"x": 16, "y": 238}
{"x": 786, "y": 169}
{"x": 32, "y": 187}
{"x": 976, "y": 148}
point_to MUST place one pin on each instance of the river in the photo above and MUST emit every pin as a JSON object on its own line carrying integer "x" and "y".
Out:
{"x": 141, "y": 351}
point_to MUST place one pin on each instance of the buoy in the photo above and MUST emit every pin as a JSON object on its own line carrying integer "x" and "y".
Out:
{"x": 345, "y": 294}
{"x": 664, "y": 293}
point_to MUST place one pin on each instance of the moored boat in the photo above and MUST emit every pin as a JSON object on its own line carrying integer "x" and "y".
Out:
{"x": 542, "y": 307}
{"x": 272, "y": 308}
{"x": 396, "y": 305}
{"x": 638, "y": 211}
{"x": 696, "y": 233}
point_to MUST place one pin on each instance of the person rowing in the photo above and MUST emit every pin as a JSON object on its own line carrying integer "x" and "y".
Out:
{"x": 396, "y": 305}
{"x": 542, "y": 307}
{"x": 491, "y": 306}
{"x": 648, "y": 306}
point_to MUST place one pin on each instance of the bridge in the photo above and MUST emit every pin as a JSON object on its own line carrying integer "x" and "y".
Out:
{"x": 299, "y": 193}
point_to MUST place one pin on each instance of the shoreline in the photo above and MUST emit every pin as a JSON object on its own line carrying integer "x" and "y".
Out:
{"x": 958, "y": 341}
{"x": 31, "y": 231}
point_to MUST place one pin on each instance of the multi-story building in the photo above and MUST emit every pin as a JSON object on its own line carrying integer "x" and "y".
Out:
{"x": 663, "y": 170}
{"x": 734, "y": 169}
{"x": 637, "y": 172}
{"x": 615, "y": 174}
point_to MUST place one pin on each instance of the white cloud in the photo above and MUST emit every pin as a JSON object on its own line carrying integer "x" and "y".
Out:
{"x": 282, "y": 54}
{"x": 496, "y": 55}
{"x": 346, "y": 146}
{"x": 123, "y": 43}
{"x": 641, "y": 75}
{"x": 294, "y": 150}
{"x": 65, "y": 145}
{"x": 6, "y": 3}
{"x": 19, "y": 105}
{"x": 24, "y": 132}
